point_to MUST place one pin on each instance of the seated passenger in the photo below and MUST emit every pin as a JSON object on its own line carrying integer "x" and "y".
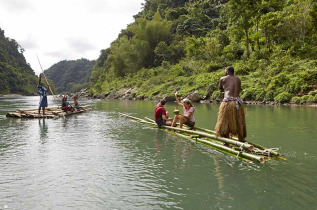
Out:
{"x": 65, "y": 104}
{"x": 161, "y": 115}
{"x": 76, "y": 105}
{"x": 188, "y": 117}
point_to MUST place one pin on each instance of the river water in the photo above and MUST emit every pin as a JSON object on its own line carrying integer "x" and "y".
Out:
{"x": 98, "y": 160}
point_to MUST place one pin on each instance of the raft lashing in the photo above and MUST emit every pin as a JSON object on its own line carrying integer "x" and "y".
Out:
{"x": 245, "y": 151}
{"x": 50, "y": 112}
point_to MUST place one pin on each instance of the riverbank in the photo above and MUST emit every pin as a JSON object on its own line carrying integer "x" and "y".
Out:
{"x": 10, "y": 95}
{"x": 131, "y": 94}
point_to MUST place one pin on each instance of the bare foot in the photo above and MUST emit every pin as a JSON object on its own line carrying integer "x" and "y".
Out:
{"x": 225, "y": 144}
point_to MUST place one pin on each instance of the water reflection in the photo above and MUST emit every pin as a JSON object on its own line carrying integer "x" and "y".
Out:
{"x": 105, "y": 162}
{"x": 220, "y": 179}
{"x": 43, "y": 130}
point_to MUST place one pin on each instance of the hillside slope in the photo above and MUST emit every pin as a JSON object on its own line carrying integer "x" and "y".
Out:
{"x": 16, "y": 76}
{"x": 187, "y": 44}
{"x": 70, "y": 76}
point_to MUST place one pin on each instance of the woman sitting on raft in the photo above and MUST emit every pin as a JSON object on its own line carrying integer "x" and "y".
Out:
{"x": 188, "y": 117}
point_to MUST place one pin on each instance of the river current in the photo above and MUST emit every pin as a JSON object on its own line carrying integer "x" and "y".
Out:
{"x": 99, "y": 160}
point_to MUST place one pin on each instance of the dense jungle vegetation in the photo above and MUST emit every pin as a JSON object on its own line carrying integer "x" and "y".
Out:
{"x": 70, "y": 76}
{"x": 188, "y": 43}
{"x": 16, "y": 75}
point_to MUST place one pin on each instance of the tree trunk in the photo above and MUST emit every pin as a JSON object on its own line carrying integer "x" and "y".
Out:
{"x": 247, "y": 42}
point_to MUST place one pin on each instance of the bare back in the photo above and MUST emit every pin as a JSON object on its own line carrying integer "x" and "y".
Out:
{"x": 231, "y": 85}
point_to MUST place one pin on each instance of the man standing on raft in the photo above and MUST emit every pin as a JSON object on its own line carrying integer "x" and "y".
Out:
{"x": 43, "y": 97}
{"x": 231, "y": 116}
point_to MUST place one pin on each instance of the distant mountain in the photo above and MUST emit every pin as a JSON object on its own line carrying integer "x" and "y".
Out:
{"x": 70, "y": 76}
{"x": 16, "y": 75}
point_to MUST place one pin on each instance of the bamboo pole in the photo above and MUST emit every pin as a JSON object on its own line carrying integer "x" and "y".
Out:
{"x": 248, "y": 156}
{"x": 213, "y": 132}
{"x": 202, "y": 143}
{"x": 242, "y": 155}
{"x": 49, "y": 87}
{"x": 244, "y": 145}
{"x": 25, "y": 110}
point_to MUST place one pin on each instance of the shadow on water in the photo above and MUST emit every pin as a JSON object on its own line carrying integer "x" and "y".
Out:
{"x": 43, "y": 130}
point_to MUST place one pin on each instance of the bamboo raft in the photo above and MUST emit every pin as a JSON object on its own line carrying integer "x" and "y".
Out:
{"x": 245, "y": 151}
{"x": 50, "y": 112}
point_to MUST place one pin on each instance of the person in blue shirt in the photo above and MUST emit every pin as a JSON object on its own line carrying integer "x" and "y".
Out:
{"x": 43, "y": 96}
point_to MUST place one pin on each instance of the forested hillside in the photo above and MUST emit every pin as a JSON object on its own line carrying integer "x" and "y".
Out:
{"x": 16, "y": 76}
{"x": 187, "y": 44}
{"x": 70, "y": 76}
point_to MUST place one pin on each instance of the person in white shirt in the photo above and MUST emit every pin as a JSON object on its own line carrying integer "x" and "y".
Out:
{"x": 188, "y": 117}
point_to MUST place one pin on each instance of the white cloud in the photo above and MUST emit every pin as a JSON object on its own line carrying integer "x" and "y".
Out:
{"x": 80, "y": 44}
{"x": 65, "y": 29}
{"x": 29, "y": 42}
{"x": 16, "y": 6}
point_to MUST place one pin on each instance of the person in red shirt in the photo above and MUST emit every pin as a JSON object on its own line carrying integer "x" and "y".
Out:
{"x": 161, "y": 115}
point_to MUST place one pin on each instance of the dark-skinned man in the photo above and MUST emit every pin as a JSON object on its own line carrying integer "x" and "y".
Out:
{"x": 43, "y": 96}
{"x": 231, "y": 116}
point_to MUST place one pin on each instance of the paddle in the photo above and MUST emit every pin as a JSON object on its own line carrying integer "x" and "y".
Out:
{"x": 49, "y": 87}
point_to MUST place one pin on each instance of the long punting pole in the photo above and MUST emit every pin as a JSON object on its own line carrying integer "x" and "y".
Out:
{"x": 49, "y": 87}
{"x": 230, "y": 151}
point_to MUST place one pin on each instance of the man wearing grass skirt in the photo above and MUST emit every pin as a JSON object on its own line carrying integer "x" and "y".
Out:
{"x": 231, "y": 116}
{"x": 43, "y": 96}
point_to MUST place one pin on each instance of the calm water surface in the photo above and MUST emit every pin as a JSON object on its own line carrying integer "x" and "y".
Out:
{"x": 99, "y": 160}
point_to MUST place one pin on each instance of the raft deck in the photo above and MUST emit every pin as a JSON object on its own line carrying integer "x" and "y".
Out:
{"x": 246, "y": 151}
{"x": 50, "y": 113}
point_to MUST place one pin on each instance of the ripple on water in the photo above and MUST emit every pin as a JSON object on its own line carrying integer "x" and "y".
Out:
{"x": 99, "y": 160}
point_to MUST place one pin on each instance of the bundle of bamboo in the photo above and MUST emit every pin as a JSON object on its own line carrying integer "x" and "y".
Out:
{"x": 50, "y": 112}
{"x": 244, "y": 150}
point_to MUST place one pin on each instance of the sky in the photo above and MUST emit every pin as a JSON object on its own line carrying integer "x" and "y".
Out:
{"x": 56, "y": 30}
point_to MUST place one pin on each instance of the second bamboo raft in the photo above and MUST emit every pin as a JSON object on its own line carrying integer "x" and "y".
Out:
{"x": 50, "y": 112}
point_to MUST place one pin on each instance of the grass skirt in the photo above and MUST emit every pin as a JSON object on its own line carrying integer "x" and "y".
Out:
{"x": 231, "y": 122}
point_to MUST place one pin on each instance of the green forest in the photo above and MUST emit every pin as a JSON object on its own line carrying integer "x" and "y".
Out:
{"x": 186, "y": 44}
{"x": 70, "y": 76}
{"x": 16, "y": 75}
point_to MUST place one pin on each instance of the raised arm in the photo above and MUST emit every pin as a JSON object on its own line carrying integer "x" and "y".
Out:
{"x": 177, "y": 101}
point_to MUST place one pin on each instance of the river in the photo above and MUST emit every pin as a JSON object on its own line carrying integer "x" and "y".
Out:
{"x": 98, "y": 160}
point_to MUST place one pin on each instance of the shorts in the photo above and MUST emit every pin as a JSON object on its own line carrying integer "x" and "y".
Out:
{"x": 160, "y": 122}
{"x": 190, "y": 123}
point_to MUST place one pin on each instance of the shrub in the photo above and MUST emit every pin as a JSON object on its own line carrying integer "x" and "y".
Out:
{"x": 312, "y": 99}
{"x": 269, "y": 96}
{"x": 312, "y": 93}
{"x": 213, "y": 66}
{"x": 283, "y": 97}
{"x": 216, "y": 94}
{"x": 249, "y": 94}
{"x": 304, "y": 99}
{"x": 260, "y": 95}
{"x": 296, "y": 99}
